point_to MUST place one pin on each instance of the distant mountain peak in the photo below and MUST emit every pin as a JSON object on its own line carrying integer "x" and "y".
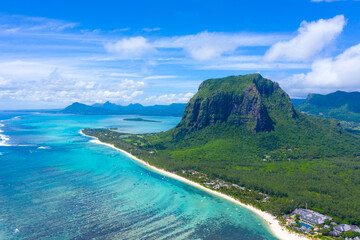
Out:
{"x": 109, "y": 103}
{"x": 340, "y": 105}
{"x": 132, "y": 109}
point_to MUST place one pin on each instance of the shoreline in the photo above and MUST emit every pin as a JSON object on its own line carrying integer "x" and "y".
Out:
{"x": 276, "y": 229}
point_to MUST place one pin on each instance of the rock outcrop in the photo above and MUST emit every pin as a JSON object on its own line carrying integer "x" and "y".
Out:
{"x": 249, "y": 101}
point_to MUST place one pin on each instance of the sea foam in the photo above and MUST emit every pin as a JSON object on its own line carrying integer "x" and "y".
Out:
{"x": 4, "y": 139}
{"x": 44, "y": 147}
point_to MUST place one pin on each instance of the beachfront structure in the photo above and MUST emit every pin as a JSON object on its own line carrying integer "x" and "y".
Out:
{"x": 355, "y": 238}
{"x": 346, "y": 228}
{"x": 310, "y": 216}
{"x": 304, "y": 229}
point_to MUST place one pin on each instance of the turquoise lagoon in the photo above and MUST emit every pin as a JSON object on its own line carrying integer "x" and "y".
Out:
{"x": 55, "y": 184}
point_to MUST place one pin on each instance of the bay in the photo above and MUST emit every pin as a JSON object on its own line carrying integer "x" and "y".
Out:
{"x": 55, "y": 184}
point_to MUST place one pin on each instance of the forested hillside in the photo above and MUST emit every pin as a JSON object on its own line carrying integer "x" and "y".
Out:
{"x": 244, "y": 130}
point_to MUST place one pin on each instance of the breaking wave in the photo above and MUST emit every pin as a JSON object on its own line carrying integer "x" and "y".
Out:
{"x": 4, "y": 139}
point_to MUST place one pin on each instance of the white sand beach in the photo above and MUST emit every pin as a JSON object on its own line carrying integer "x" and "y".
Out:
{"x": 279, "y": 231}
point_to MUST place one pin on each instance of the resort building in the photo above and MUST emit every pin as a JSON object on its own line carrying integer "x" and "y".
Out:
{"x": 310, "y": 216}
{"x": 346, "y": 228}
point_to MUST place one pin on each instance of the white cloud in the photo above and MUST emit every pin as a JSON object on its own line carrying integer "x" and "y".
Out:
{"x": 151, "y": 29}
{"x": 84, "y": 85}
{"x": 58, "y": 85}
{"x": 25, "y": 69}
{"x": 329, "y": 74}
{"x": 201, "y": 46}
{"x": 4, "y": 82}
{"x": 17, "y": 23}
{"x": 209, "y": 45}
{"x": 255, "y": 66}
{"x": 130, "y": 47}
{"x": 130, "y": 84}
{"x": 311, "y": 39}
{"x": 121, "y": 30}
{"x": 169, "y": 98}
{"x": 123, "y": 74}
{"x": 159, "y": 77}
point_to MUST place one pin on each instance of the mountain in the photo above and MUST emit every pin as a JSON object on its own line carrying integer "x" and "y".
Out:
{"x": 252, "y": 107}
{"x": 108, "y": 108}
{"x": 340, "y": 105}
{"x": 83, "y": 109}
{"x": 244, "y": 130}
{"x": 247, "y": 102}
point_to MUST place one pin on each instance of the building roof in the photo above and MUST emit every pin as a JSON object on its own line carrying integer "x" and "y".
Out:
{"x": 311, "y": 216}
{"x": 346, "y": 228}
{"x": 342, "y": 228}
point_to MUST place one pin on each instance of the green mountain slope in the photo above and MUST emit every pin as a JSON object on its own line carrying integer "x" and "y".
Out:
{"x": 340, "y": 105}
{"x": 245, "y": 130}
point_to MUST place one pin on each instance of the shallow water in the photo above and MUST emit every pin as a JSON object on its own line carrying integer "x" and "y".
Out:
{"x": 55, "y": 184}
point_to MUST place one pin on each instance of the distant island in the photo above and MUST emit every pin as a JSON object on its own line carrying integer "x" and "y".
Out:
{"x": 242, "y": 136}
{"x": 108, "y": 108}
{"x": 140, "y": 120}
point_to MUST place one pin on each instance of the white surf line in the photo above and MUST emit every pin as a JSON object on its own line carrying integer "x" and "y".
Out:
{"x": 274, "y": 225}
{"x": 4, "y": 139}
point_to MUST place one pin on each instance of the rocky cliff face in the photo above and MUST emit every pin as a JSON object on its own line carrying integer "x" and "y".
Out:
{"x": 246, "y": 101}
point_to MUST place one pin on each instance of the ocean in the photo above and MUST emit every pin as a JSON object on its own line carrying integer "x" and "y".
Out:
{"x": 55, "y": 184}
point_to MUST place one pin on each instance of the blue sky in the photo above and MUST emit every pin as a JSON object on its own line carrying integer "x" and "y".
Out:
{"x": 53, "y": 53}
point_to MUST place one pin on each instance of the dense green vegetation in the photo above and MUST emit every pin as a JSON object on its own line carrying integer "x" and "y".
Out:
{"x": 351, "y": 234}
{"x": 253, "y": 137}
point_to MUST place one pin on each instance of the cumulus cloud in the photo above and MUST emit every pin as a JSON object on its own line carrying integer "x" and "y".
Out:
{"x": 130, "y": 47}
{"x": 121, "y": 30}
{"x": 244, "y": 66}
{"x": 25, "y": 69}
{"x": 151, "y": 29}
{"x": 169, "y": 98}
{"x": 130, "y": 84}
{"x": 159, "y": 77}
{"x": 311, "y": 39}
{"x": 56, "y": 86}
{"x": 208, "y": 45}
{"x": 4, "y": 82}
{"x": 329, "y": 74}
{"x": 201, "y": 46}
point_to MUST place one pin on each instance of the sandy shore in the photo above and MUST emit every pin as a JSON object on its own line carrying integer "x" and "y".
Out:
{"x": 279, "y": 231}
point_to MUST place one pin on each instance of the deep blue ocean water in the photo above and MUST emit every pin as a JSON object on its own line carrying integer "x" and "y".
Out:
{"x": 55, "y": 184}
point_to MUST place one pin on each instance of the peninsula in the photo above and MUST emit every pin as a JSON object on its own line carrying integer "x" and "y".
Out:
{"x": 242, "y": 136}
